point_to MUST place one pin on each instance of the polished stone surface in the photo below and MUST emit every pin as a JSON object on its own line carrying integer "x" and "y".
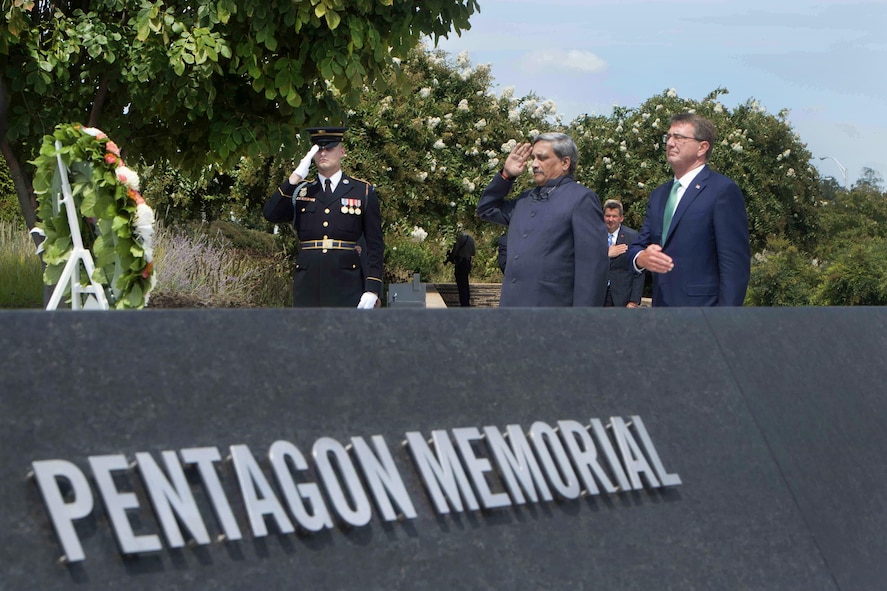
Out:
{"x": 772, "y": 418}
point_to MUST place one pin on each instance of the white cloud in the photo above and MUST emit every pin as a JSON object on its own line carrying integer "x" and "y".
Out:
{"x": 575, "y": 60}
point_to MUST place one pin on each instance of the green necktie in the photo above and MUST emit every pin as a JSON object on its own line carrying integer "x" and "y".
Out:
{"x": 670, "y": 206}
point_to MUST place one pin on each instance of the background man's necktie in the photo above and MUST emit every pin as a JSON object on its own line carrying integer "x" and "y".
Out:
{"x": 610, "y": 240}
{"x": 328, "y": 187}
{"x": 670, "y": 206}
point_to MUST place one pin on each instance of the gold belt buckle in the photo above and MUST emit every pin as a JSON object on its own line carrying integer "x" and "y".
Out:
{"x": 327, "y": 243}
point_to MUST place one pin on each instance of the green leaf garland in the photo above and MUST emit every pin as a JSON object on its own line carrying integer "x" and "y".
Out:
{"x": 116, "y": 224}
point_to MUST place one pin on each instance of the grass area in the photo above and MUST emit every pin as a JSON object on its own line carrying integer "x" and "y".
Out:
{"x": 21, "y": 274}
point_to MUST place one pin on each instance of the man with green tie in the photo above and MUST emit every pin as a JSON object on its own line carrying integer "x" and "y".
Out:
{"x": 695, "y": 233}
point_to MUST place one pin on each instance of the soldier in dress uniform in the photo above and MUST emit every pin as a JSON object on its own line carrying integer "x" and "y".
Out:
{"x": 330, "y": 215}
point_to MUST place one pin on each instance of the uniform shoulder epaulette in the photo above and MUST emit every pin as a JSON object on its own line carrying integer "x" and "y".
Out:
{"x": 367, "y": 185}
{"x": 361, "y": 181}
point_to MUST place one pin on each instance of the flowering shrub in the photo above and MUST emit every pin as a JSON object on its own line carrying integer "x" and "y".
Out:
{"x": 433, "y": 149}
{"x": 116, "y": 224}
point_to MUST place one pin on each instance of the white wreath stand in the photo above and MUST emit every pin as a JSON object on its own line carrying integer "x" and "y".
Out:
{"x": 95, "y": 291}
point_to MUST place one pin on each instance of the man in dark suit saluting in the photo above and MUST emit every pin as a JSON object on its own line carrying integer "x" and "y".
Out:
{"x": 625, "y": 286}
{"x": 695, "y": 234}
{"x": 557, "y": 250}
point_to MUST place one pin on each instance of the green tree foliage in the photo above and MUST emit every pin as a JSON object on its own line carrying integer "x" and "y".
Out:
{"x": 856, "y": 277}
{"x": 854, "y": 224}
{"x": 9, "y": 209}
{"x": 197, "y": 82}
{"x": 870, "y": 179}
{"x": 782, "y": 275}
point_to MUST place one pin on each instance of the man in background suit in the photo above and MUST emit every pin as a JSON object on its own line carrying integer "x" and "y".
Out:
{"x": 625, "y": 286}
{"x": 460, "y": 255}
{"x": 695, "y": 233}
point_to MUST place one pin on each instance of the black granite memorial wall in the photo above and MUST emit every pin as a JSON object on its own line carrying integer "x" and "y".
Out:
{"x": 747, "y": 445}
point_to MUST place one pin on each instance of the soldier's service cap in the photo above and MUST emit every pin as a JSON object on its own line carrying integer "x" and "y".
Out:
{"x": 326, "y": 137}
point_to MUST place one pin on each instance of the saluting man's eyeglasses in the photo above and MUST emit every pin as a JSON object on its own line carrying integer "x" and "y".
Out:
{"x": 678, "y": 138}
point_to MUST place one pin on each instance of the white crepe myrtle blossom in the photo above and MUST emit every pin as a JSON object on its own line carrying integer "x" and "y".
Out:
{"x": 439, "y": 145}
{"x": 424, "y": 93}
{"x": 463, "y": 60}
{"x": 480, "y": 124}
{"x": 418, "y": 234}
{"x": 463, "y": 106}
{"x": 672, "y": 93}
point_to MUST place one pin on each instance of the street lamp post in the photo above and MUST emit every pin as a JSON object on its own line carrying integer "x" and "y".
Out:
{"x": 841, "y": 166}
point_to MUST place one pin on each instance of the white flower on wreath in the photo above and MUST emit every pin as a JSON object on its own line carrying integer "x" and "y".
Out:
{"x": 144, "y": 227}
{"x": 128, "y": 177}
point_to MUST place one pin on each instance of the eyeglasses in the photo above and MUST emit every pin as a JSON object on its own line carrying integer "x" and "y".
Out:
{"x": 678, "y": 138}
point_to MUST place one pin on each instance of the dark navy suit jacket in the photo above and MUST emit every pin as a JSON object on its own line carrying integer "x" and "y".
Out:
{"x": 707, "y": 240}
{"x": 625, "y": 285}
{"x": 557, "y": 243}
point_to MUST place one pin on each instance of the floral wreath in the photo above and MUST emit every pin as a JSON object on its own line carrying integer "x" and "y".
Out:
{"x": 116, "y": 224}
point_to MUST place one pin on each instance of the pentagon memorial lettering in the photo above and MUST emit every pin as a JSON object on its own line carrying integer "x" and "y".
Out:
{"x": 340, "y": 485}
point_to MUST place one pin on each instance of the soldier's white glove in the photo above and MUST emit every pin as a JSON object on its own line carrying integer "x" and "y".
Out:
{"x": 305, "y": 164}
{"x": 367, "y": 301}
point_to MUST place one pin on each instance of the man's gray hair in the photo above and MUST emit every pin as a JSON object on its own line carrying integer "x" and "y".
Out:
{"x": 563, "y": 146}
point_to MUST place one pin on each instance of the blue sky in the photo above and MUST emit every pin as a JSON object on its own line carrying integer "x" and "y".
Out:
{"x": 825, "y": 61}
